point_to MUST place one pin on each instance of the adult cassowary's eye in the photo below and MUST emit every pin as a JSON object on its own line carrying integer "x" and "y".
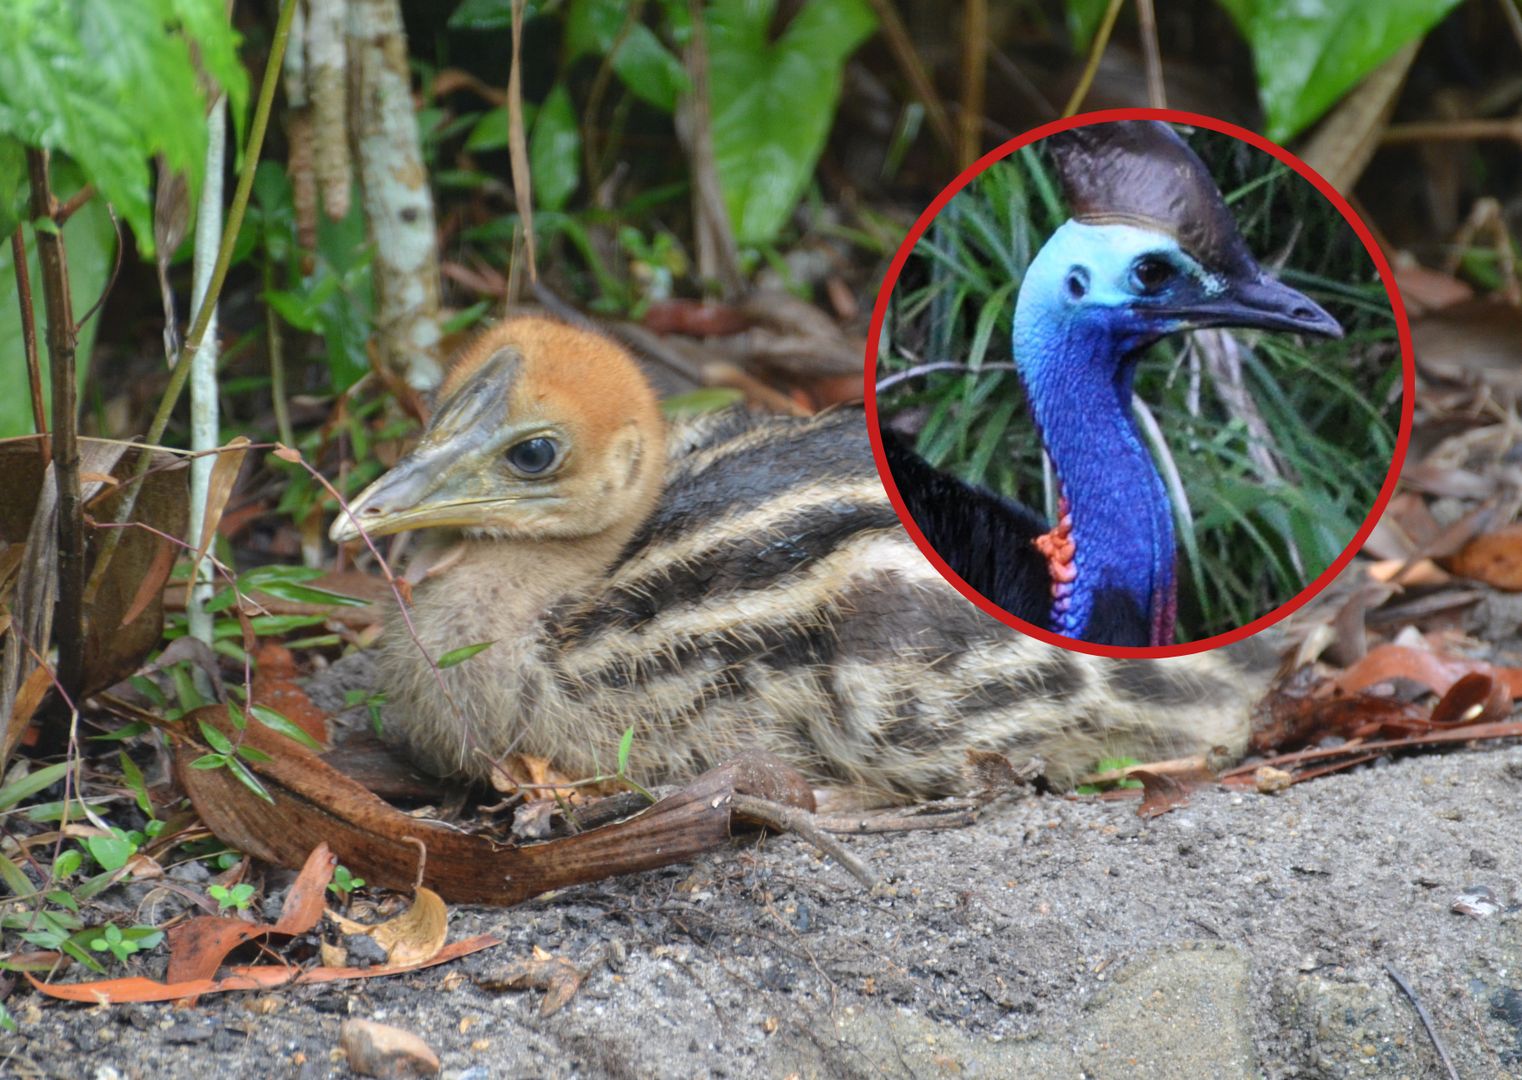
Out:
{"x": 1152, "y": 274}
{"x": 532, "y": 456}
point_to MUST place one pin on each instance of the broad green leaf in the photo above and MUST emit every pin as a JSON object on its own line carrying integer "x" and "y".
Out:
{"x": 554, "y": 150}
{"x": 625, "y": 744}
{"x": 772, "y": 101}
{"x": 462, "y": 654}
{"x": 89, "y": 238}
{"x": 112, "y": 83}
{"x": 1084, "y": 17}
{"x": 650, "y": 70}
{"x": 490, "y": 132}
{"x": 1309, "y": 54}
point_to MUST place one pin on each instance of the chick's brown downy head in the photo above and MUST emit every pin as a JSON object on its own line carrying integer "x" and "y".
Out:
{"x": 543, "y": 431}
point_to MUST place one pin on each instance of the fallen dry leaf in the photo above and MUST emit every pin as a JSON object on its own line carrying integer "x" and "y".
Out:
{"x": 1161, "y": 793}
{"x": 1494, "y": 558}
{"x": 555, "y": 975}
{"x": 198, "y": 946}
{"x": 1436, "y": 671}
{"x": 276, "y": 687}
{"x": 417, "y": 933}
{"x": 258, "y": 977}
{"x": 219, "y": 488}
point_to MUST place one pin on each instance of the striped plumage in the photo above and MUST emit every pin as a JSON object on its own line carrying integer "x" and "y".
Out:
{"x": 764, "y": 595}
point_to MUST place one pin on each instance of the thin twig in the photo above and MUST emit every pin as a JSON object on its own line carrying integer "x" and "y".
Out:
{"x": 1421, "y": 1011}
{"x": 801, "y": 822}
{"x": 29, "y": 342}
{"x": 275, "y": 344}
{"x": 1152, "y": 55}
{"x": 1096, "y": 53}
{"x": 887, "y": 382}
{"x": 73, "y": 203}
{"x": 116, "y": 270}
{"x": 234, "y": 223}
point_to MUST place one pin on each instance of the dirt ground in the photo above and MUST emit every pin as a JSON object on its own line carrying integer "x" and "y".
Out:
{"x": 1243, "y": 935}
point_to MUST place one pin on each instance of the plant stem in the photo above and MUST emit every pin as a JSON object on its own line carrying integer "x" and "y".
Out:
{"x": 1096, "y": 53}
{"x": 69, "y": 619}
{"x": 29, "y": 340}
{"x": 193, "y": 340}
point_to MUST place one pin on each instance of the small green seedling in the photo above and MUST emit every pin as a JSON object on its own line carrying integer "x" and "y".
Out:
{"x": 1109, "y": 765}
{"x": 123, "y": 943}
{"x": 344, "y": 883}
{"x": 238, "y": 897}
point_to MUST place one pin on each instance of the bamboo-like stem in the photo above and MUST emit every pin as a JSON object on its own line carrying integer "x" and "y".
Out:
{"x": 29, "y": 341}
{"x": 234, "y": 222}
{"x": 203, "y": 376}
{"x": 68, "y": 623}
{"x": 1152, "y": 54}
{"x": 276, "y": 346}
{"x": 974, "y": 76}
{"x": 1096, "y": 53}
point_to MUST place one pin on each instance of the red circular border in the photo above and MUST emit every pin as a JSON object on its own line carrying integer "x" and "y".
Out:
{"x": 1386, "y": 275}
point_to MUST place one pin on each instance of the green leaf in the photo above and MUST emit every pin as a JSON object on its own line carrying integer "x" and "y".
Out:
{"x": 110, "y": 852}
{"x": 111, "y": 83}
{"x": 554, "y": 150}
{"x": 490, "y": 132}
{"x": 1084, "y": 17}
{"x": 134, "y": 777}
{"x": 1309, "y": 55}
{"x": 708, "y": 399}
{"x": 650, "y": 70}
{"x": 772, "y": 102}
{"x": 276, "y": 722}
{"x": 248, "y": 779}
{"x": 488, "y": 15}
{"x": 462, "y": 654}
{"x": 625, "y": 744}
{"x": 67, "y": 863}
{"x": 32, "y": 783}
{"x": 215, "y": 738}
{"x": 13, "y": 185}
{"x": 90, "y": 239}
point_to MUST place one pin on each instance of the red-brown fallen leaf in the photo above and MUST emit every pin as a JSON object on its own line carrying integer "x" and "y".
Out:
{"x": 1160, "y": 793}
{"x": 275, "y": 686}
{"x": 1494, "y": 558}
{"x": 695, "y": 318}
{"x": 152, "y": 584}
{"x": 198, "y": 946}
{"x": 1474, "y": 699}
{"x": 260, "y": 977}
{"x": 1436, "y": 671}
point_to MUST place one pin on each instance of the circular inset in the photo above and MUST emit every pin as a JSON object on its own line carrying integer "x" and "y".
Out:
{"x": 1185, "y": 495}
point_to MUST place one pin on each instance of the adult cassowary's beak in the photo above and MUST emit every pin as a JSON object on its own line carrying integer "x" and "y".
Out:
{"x": 1262, "y": 303}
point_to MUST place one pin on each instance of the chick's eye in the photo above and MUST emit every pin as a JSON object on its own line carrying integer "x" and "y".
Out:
{"x": 1152, "y": 274}
{"x": 532, "y": 456}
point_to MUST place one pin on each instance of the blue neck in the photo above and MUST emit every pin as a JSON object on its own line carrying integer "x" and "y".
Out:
{"x": 1078, "y": 366}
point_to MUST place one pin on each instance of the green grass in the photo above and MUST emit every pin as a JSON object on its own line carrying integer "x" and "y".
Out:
{"x": 1250, "y": 539}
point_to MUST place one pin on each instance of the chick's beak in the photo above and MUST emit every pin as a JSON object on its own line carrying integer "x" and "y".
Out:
{"x": 419, "y": 492}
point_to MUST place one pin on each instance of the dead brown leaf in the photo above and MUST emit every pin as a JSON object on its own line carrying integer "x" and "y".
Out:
{"x": 1494, "y": 558}
{"x": 555, "y": 975}
{"x": 1161, "y": 792}
{"x": 198, "y": 946}
{"x": 418, "y": 933}
{"x": 219, "y": 488}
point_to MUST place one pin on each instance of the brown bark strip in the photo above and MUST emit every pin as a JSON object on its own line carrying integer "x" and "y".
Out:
{"x": 29, "y": 341}
{"x": 313, "y": 802}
